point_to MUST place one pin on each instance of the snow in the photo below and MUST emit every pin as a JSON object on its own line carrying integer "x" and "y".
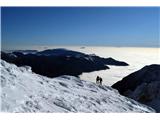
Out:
{"x": 24, "y": 91}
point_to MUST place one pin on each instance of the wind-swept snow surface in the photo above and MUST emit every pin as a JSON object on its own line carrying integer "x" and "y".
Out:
{"x": 24, "y": 91}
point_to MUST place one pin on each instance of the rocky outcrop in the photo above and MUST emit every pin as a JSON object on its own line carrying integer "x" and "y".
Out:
{"x": 143, "y": 86}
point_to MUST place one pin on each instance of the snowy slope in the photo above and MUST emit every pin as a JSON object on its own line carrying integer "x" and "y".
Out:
{"x": 25, "y": 91}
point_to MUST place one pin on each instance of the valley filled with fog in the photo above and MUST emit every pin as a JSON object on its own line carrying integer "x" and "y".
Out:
{"x": 136, "y": 57}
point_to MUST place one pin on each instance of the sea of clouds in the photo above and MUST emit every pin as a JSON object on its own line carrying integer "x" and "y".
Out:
{"x": 136, "y": 57}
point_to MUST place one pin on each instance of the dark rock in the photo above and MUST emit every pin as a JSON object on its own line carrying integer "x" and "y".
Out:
{"x": 145, "y": 75}
{"x": 143, "y": 86}
{"x": 56, "y": 62}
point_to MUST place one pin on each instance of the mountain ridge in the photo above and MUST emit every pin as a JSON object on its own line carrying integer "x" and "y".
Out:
{"x": 142, "y": 85}
{"x": 56, "y": 62}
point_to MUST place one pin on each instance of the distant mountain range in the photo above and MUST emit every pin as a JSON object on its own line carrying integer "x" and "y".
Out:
{"x": 56, "y": 62}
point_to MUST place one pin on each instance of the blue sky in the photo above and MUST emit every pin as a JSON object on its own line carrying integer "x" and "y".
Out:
{"x": 97, "y": 26}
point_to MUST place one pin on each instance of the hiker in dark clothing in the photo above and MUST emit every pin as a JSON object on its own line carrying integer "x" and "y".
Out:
{"x": 100, "y": 81}
{"x": 97, "y": 79}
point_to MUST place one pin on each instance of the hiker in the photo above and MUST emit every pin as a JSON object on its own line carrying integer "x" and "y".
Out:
{"x": 100, "y": 81}
{"x": 97, "y": 79}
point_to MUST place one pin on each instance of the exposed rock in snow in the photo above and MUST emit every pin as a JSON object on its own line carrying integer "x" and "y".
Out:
{"x": 143, "y": 86}
{"x": 25, "y": 91}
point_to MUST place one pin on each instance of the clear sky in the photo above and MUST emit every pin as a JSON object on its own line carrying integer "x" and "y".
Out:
{"x": 106, "y": 26}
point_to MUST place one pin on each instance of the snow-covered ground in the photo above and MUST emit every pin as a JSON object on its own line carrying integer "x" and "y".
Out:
{"x": 24, "y": 91}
